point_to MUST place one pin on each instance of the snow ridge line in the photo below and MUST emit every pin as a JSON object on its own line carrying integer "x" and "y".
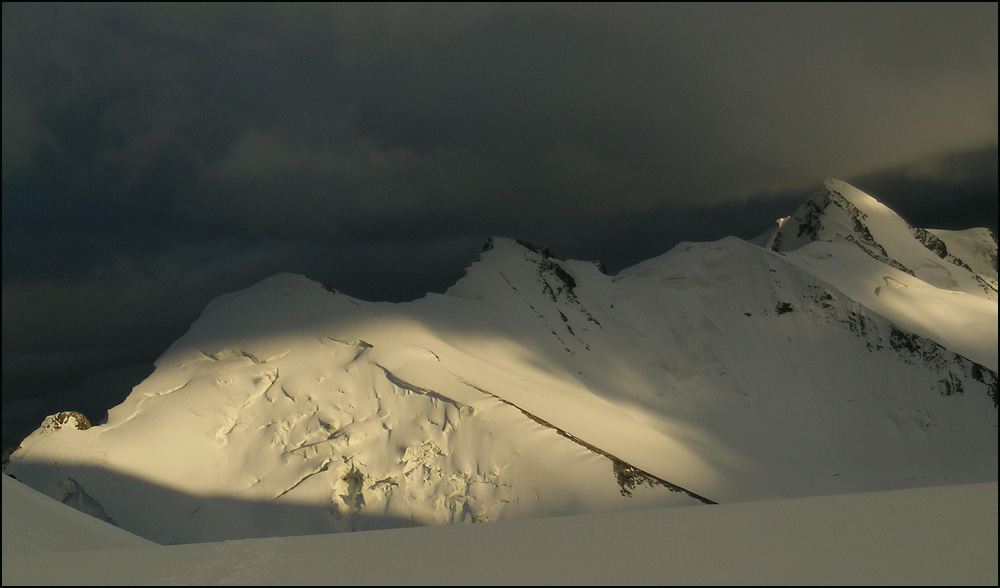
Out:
{"x": 404, "y": 385}
{"x": 628, "y": 475}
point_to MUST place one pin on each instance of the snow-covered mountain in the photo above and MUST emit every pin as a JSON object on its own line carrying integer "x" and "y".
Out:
{"x": 841, "y": 351}
{"x": 944, "y": 286}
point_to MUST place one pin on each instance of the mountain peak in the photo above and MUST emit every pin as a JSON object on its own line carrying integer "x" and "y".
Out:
{"x": 841, "y": 212}
{"x": 502, "y": 243}
{"x": 511, "y": 264}
{"x": 836, "y": 210}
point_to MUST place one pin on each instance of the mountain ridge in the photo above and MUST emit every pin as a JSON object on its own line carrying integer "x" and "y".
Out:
{"x": 715, "y": 372}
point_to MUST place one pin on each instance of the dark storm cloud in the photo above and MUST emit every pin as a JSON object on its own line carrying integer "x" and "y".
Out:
{"x": 278, "y": 121}
{"x": 157, "y": 155}
{"x": 956, "y": 191}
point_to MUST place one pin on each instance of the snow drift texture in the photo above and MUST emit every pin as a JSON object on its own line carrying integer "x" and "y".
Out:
{"x": 841, "y": 351}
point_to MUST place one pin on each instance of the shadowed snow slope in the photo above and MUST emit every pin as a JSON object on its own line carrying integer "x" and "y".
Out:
{"x": 843, "y": 351}
{"x": 945, "y": 535}
{"x": 34, "y": 523}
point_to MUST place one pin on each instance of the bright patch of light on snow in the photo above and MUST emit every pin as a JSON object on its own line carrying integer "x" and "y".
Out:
{"x": 962, "y": 322}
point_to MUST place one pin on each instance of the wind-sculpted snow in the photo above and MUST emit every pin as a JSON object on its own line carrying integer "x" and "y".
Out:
{"x": 829, "y": 359}
{"x": 324, "y": 423}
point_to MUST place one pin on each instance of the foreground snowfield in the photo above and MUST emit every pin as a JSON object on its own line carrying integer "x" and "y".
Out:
{"x": 943, "y": 535}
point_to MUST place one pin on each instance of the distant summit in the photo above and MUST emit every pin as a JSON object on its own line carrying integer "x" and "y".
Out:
{"x": 841, "y": 211}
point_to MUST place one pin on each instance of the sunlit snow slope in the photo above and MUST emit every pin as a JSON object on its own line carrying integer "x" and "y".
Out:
{"x": 842, "y": 351}
{"x": 938, "y": 284}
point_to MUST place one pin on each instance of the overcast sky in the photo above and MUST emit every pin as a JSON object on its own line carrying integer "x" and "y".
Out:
{"x": 158, "y": 155}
